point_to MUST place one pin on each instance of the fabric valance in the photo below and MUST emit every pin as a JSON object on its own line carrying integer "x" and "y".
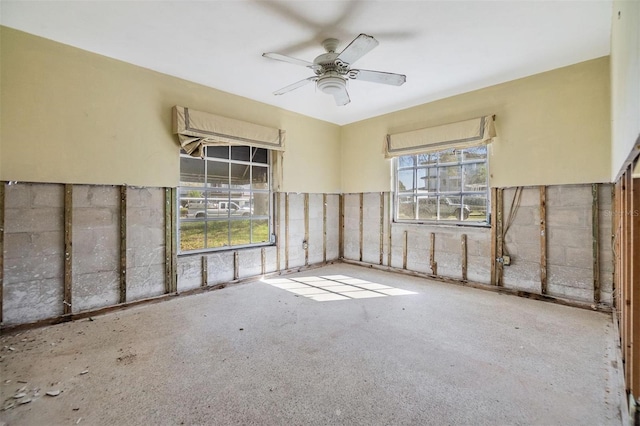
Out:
{"x": 462, "y": 134}
{"x": 196, "y": 129}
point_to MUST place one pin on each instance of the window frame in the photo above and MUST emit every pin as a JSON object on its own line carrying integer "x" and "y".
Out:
{"x": 418, "y": 194}
{"x": 207, "y": 188}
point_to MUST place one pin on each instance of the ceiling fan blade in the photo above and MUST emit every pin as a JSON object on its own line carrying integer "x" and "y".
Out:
{"x": 378, "y": 77}
{"x": 295, "y": 85}
{"x": 342, "y": 97}
{"x": 289, "y": 59}
{"x": 359, "y": 47}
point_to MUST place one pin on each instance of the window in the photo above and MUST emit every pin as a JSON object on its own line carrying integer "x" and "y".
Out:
{"x": 444, "y": 186}
{"x": 225, "y": 198}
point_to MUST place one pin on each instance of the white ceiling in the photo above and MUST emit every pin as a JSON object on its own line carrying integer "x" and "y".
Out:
{"x": 443, "y": 47}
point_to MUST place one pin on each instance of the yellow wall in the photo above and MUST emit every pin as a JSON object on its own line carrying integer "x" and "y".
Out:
{"x": 70, "y": 116}
{"x": 625, "y": 83}
{"x": 553, "y": 128}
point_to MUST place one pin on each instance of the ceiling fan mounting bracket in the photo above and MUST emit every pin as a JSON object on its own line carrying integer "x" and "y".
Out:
{"x": 330, "y": 44}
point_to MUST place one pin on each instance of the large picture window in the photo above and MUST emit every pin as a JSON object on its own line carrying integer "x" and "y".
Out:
{"x": 444, "y": 186}
{"x": 225, "y": 198}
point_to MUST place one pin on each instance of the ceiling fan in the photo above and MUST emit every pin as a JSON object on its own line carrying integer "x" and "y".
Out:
{"x": 334, "y": 69}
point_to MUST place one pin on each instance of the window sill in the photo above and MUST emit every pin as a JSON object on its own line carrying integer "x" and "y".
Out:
{"x": 443, "y": 224}
{"x": 223, "y": 249}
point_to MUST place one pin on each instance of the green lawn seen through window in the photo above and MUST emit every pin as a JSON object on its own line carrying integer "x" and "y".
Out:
{"x": 192, "y": 235}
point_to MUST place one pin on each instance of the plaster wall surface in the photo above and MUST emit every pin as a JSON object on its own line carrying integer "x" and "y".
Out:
{"x": 625, "y": 84}
{"x": 103, "y": 118}
{"x": 552, "y": 129}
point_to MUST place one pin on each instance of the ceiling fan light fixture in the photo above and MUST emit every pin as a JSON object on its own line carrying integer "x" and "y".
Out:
{"x": 331, "y": 84}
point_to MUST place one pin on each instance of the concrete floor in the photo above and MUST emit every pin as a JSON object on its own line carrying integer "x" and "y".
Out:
{"x": 257, "y": 354}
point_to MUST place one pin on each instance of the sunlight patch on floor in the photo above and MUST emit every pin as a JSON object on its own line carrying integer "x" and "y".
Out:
{"x": 335, "y": 287}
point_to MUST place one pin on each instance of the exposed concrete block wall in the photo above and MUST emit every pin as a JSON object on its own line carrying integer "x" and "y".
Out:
{"x": 221, "y": 265}
{"x": 316, "y": 229}
{"x": 34, "y": 258}
{"x": 351, "y": 232}
{"x": 333, "y": 226}
{"x": 570, "y": 256}
{"x": 33, "y": 252}
{"x": 605, "y": 238}
{"x": 570, "y": 235}
{"x": 96, "y": 247}
{"x": 371, "y": 227}
{"x": 448, "y": 250}
{"x": 296, "y": 253}
{"x": 145, "y": 242}
{"x": 522, "y": 239}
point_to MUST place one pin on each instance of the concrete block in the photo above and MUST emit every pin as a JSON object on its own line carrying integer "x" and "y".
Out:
{"x": 18, "y": 196}
{"x": 250, "y": 263}
{"x": 569, "y": 237}
{"x": 530, "y": 197}
{"x": 569, "y": 276}
{"x": 32, "y": 300}
{"x": 449, "y": 265}
{"x": 24, "y": 244}
{"x": 522, "y": 233}
{"x": 33, "y": 220}
{"x": 568, "y": 216}
{"x": 85, "y": 196}
{"x": 580, "y": 257}
{"x": 316, "y": 230}
{"x": 190, "y": 272}
{"x": 525, "y": 252}
{"x": 96, "y": 250}
{"x": 556, "y": 254}
{"x": 452, "y": 243}
{"x": 479, "y": 245}
{"x": 418, "y": 264}
{"x": 145, "y": 198}
{"x": 296, "y": 207}
{"x": 33, "y": 268}
{"x": 479, "y": 269}
{"x": 221, "y": 267}
{"x": 95, "y": 290}
{"x": 98, "y": 217}
{"x": 270, "y": 255}
{"x": 523, "y": 276}
{"x": 569, "y": 195}
{"x": 573, "y": 293}
{"x": 525, "y": 215}
{"x": 151, "y": 217}
{"x": 47, "y": 195}
{"x": 143, "y": 257}
{"x": 333, "y": 225}
{"x": 142, "y": 236}
{"x": 144, "y": 282}
{"x": 606, "y": 298}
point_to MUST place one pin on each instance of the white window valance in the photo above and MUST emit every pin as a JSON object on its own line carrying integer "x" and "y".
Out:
{"x": 196, "y": 129}
{"x": 462, "y": 134}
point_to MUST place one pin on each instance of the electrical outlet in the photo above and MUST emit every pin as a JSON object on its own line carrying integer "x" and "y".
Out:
{"x": 506, "y": 260}
{"x": 305, "y": 245}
